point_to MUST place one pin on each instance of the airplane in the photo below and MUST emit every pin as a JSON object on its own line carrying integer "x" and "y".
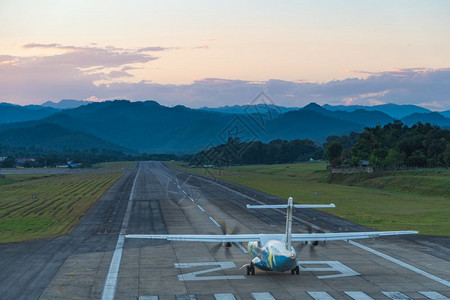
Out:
{"x": 274, "y": 252}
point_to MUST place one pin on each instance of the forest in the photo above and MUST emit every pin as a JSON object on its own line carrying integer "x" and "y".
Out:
{"x": 393, "y": 145}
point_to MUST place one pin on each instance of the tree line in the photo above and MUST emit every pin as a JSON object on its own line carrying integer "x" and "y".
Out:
{"x": 236, "y": 152}
{"x": 88, "y": 157}
{"x": 393, "y": 145}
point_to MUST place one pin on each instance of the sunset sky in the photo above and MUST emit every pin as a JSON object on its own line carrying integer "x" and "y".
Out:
{"x": 215, "y": 53}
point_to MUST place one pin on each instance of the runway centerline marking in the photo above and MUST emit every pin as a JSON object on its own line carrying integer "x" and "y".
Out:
{"x": 109, "y": 289}
{"x": 215, "y": 222}
{"x": 201, "y": 208}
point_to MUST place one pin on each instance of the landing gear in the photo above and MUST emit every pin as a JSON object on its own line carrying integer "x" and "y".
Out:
{"x": 251, "y": 269}
{"x": 295, "y": 271}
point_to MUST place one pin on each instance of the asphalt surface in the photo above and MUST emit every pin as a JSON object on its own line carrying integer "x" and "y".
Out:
{"x": 159, "y": 200}
{"x": 27, "y": 268}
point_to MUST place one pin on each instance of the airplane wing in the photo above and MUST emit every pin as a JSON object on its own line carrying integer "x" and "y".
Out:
{"x": 199, "y": 237}
{"x": 343, "y": 236}
{"x": 296, "y": 237}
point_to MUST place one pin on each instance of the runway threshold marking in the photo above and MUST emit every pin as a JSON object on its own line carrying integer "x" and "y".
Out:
{"x": 320, "y": 295}
{"x": 373, "y": 251}
{"x": 109, "y": 289}
{"x": 396, "y": 296}
{"x": 358, "y": 296}
{"x": 263, "y": 296}
{"x": 434, "y": 295}
{"x": 225, "y": 296}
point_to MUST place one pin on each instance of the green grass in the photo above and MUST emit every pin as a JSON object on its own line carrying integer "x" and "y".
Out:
{"x": 416, "y": 200}
{"x": 60, "y": 202}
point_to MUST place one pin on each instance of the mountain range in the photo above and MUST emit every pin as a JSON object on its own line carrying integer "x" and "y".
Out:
{"x": 150, "y": 127}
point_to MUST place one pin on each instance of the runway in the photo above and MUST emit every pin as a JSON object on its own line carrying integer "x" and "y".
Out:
{"x": 95, "y": 260}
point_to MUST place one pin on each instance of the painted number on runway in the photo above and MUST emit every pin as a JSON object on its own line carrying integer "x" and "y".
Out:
{"x": 332, "y": 266}
{"x": 218, "y": 267}
{"x": 305, "y": 266}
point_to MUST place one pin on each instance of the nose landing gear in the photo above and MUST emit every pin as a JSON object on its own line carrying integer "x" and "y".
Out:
{"x": 295, "y": 271}
{"x": 251, "y": 269}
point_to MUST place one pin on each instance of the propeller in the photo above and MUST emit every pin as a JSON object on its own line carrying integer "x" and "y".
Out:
{"x": 227, "y": 245}
{"x": 312, "y": 244}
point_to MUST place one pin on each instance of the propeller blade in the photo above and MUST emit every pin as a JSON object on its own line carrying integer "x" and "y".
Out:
{"x": 312, "y": 252}
{"x": 228, "y": 254}
{"x": 215, "y": 248}
{"x": 236, "y": 230}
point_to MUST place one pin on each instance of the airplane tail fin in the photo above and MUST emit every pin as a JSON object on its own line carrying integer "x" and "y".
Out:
{"x": 289, "y": 208}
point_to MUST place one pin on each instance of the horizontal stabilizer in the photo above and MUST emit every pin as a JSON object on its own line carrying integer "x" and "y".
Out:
{"x": 295, "y": 206}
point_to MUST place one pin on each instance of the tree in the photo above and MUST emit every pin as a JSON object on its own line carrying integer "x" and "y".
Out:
{"x": 334, "y": 151}
{"x": 9, "y": 162}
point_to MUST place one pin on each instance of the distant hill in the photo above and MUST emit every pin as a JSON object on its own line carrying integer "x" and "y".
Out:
{"x": 10, "y": 113}
{"x": 445, "y": 113}
{"x": 65, "y": 103}
{"x": 153, "y": 128}
{"x": 396, "y": 111}
{"x": 309, "y": 124}
{"x": 251, "y": 109}
{"x": 433, "y": 118}
{"x": 49, "y": 136}
{"x": 145, "y": 126}
{"x": 362, "y": 117}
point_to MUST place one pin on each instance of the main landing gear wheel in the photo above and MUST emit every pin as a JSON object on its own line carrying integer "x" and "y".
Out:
{"x": 295, "y": 271}
{"x": 251, "y": 269}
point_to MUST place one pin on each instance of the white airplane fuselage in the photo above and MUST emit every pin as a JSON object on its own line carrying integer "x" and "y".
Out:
{"x": 272, "y": 256}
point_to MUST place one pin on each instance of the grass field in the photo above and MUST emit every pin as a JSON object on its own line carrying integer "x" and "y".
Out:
{"x": 59, "y": 202}
{"x": 416, "y": 200}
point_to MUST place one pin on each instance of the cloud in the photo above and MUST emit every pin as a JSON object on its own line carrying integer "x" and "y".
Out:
{"x": 70, "y": 73}
{"x": 202, "y": 47}
{"x": 414, "y": 86}
{"x": 157, "y": 48}
{"x": 433, "y": 105}
{"x": 94, "y": 71}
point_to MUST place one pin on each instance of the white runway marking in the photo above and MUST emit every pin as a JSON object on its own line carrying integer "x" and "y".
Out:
{"x": 185, "y": 297}
{"x": 263, "y": 296}
{"x": 109, "y": 289}
{"x": 218, "y": 267}
{"x": 201, "y": 208}
{"x": 227, "y": 296}
{"x": 400, "y": 263}
{"x": 215, "y": 222}
{"x": 434, "y": 296}
{"x": 396, "y": 296}
{"x": 241, "y": 247}
{"x": 320, "y": 295}
{"x": 358, "y": 296}
{"x": 333, "y": 266}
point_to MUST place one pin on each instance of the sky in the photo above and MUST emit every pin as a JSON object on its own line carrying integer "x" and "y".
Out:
{"x": 217, "y": 53}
